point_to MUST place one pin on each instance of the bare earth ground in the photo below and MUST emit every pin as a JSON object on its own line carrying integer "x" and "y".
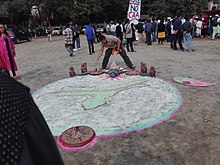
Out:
{"x": 191, "y": 137}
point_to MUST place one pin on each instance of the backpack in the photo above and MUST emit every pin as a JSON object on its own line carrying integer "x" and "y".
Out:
{"x": 214, "y": 22}
{"x": 186, "y": 26}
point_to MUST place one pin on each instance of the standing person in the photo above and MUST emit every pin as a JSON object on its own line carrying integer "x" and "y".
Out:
{"x": 96, "y": 34}
{"x": 214, "y": 26}
{"x": 161, "y": 35}
{"x": 205, "y": 28}
{"x": 90, "y": 35}
{"x": 113, "y": 29}
{"x": 119, "y": 31}
{"x": 140, "y": 30}
{"x": 148, "y": 28}
{"x": 168, "y": 29}
{"x": 112, "y": 43}
{"x": 133, "y": 32}
{"x": 77, "y": 38}
{"x": 128, "y": 35}
{"x": 7, "y": 53}
{"x": 108, "y": 28}
{"x": 187, "y": 37}
{"x": 68, "y": 34}
{"x": 25, "y": 138}
{"x": 199, "y": 27}
{"x": 177, "y": 27}
{"x": 154, "y": 23}
{"x": 172, "y": 33}
{"x": 193, "y": 22}
{"x": 72, "y": 27}
{"x": 48, "y": 32}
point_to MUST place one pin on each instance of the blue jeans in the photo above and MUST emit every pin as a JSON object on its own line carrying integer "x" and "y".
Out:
{"x": 187, "y": 38}
{"x": 154, "y": 37}
{"x": 178, "y": 37}
{"x": 172, "y": 41}
{"x": 77, "y": 42}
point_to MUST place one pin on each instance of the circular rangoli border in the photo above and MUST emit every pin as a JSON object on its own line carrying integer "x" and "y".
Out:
{"x": 96, "y": 138}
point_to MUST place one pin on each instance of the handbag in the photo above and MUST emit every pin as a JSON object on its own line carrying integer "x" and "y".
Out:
{"x": 161, "y": 35}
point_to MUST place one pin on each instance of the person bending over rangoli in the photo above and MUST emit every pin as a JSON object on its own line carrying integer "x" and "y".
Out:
{"x": 113, "y": 44}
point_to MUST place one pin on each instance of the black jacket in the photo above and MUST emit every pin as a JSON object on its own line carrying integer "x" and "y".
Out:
{"x": 24, "y": 135}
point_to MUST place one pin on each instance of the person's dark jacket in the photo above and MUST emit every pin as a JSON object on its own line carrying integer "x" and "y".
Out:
{"x": 177, "y": 25}
{"x": 154, "y": 23}
{"x": 161, "y": 27}
{"x": 24, "y": 135}
{"x": 140, "y": 27}
{"x": 119, "y": 30}
{"x": 148, "y": 27}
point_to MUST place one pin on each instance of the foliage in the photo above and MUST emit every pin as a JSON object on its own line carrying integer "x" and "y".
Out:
{"x": 82, "y": 11}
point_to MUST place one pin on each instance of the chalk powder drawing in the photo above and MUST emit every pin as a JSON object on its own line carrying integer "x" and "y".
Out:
{"x": 109, "y": 107}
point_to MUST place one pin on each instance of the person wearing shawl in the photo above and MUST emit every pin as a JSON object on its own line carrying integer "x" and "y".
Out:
{"x": 7, "y": 53}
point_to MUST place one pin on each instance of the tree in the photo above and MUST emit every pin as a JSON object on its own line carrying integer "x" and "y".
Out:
{"x": 82, "y": 11}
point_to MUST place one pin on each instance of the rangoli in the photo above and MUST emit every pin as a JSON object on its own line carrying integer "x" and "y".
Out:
{"x": 109, "y": 107}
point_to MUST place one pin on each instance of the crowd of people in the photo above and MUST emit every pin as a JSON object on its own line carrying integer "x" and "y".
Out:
{"x": 22, "y": 146}
{"x": 178, "y": 30}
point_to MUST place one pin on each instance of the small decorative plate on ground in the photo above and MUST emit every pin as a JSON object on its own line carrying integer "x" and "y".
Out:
{"x": 96, "y": 73}
{"x": 191, "y": 82}
{"x": 132, "y": 73}
{"x": 77, "y": 136}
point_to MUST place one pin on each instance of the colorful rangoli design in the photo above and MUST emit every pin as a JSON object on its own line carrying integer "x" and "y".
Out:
{"x": 109, "y": 107}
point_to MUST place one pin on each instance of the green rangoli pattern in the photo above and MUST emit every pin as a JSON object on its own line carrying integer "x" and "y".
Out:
{"x": 109, "y": 107}
{"x": 98, "y": 95}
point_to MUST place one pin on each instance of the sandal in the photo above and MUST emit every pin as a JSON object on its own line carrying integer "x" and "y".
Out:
{"x": 16, "y": 78}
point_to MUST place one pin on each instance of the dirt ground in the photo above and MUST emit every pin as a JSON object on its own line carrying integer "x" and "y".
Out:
{"x": 191, "y": 137}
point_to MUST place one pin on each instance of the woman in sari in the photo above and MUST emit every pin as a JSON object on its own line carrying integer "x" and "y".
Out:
{"x": 7, "y": 53}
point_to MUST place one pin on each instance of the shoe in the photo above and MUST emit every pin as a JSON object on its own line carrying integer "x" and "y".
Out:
{"x": 90, "y": 53}
{"x": 75, "y": 50}
{"x": 71, "y": 54}
{"x": 102, "y": 69}
{"x": 128, "y": 50}
{"x": 133, "y": 51}
{"x": 133, "y": 67}
{"x": 93, "y": 52}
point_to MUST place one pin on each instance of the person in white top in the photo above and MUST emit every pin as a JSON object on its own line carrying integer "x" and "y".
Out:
{"x": 108, "y": 29}
{"x": 128, "y": 35}
{"x": 198, "y": 28}
{"x": 112, "y": 29}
